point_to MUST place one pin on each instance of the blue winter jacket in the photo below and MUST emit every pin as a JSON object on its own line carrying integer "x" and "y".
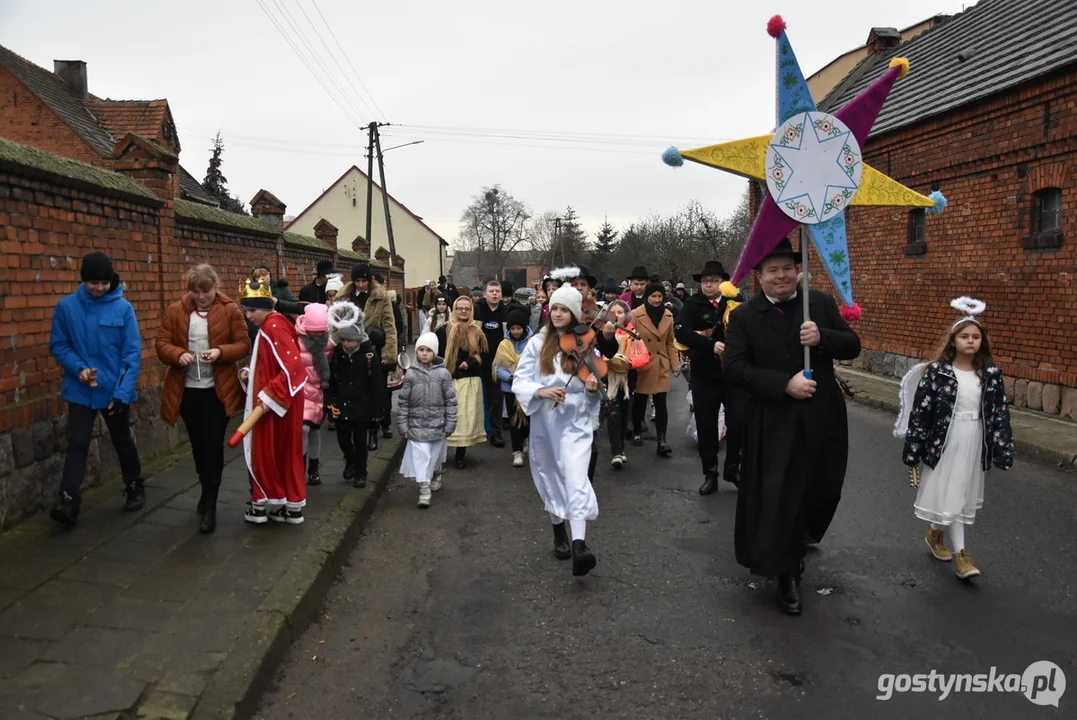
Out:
{"x": 504, "y": 375}
{"x": 88, "y": 332}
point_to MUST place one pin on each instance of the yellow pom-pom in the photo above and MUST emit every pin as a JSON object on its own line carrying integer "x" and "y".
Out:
{"x": 902, "y": 63}
{"x": 728, "y": 289}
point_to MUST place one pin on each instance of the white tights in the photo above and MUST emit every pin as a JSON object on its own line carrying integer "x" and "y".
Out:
{"x": 578, "y": 527}
{"x": 955, "y": 532}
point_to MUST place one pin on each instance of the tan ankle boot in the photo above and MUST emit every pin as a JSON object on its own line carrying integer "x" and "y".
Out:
{"x": 963, "y": 566}
{"x": 936, "y": 540}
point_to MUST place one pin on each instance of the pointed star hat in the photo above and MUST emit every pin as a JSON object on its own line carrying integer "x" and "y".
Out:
{"x": 813, "y": 168}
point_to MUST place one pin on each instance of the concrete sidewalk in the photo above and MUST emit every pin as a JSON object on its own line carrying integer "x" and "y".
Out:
{"x": 138, "y": 615}
{"x": 1042, "y": 437}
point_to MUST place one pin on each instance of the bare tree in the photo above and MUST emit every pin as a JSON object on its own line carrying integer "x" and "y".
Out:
{"x": 493, "y": 225}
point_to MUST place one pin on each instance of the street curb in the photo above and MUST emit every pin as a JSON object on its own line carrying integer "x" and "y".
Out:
{"x": 237, "y": 687}
{"x": 1025, "y": 448}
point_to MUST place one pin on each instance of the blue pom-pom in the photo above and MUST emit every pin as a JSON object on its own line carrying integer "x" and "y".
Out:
{"x": 940, "y": 203}
{"x": 672, "y": 157}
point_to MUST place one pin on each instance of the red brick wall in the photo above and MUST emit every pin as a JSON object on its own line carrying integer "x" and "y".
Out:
{"x": 988, "y": 160}
{"x": 26, "y": 120}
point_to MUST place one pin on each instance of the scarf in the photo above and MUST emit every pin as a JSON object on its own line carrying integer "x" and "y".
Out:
{"x": 507, "y": 358}
{"x": 463, "y": 336}
{"x": 655, "y": 314}
{"x": 316, "y": 348}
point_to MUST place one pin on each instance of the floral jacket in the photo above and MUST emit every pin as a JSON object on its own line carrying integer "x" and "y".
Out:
{"x": 933, "y": 408}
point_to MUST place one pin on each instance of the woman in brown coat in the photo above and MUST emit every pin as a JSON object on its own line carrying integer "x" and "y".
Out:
{"x": 654, "y": 323}
{"x": 201, "y": 339}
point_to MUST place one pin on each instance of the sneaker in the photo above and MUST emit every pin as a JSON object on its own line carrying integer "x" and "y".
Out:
{"x": 285, "y": 515}
{"x": 617, "y": 462}
{"x": 349, "y": 471}
{"x": 936, "y": 542}
{"x": 135, "y": 497}
{"x": 424, "y": 495}
{"x": 359, "y": 481}
{"x": 963, "y": 566}
{"x": 255, "y": 514}
{"x": 517, "y": 459}
{"x": 314, "y": 478}
{"x": 435, "y": 484}
{"x": 637, "y": 441}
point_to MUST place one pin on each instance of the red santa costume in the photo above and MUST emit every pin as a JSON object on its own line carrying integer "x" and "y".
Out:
{"x": 274, "y": 446}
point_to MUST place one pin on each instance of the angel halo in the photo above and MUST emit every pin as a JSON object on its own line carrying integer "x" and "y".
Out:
{"x": 969, "y": 307}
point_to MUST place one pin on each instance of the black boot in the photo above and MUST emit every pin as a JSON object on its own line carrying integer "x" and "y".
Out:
{"x": 731, "y": 472}
{"x": 583, "y": 560}
{"x": 360, "y": 480}
{"x": 313, "y": 476}
{"x": 349, "y": 470}
{"x": 208, "y": 523}
{"x": 496, "y": 440}
{"x": 561, "y": 550}
{"x": 664, "y": 449}
{"x": 461, "y": 458}
{"x": 372, "y": 440}
{"x": 710, "y": 484}
{"x": 66, "y": 510}
{"x": 134, "y": 496}
{"x": 789, "y": 593}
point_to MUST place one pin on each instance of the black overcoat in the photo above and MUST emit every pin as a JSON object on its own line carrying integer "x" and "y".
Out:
{"x": 795, "y": 451}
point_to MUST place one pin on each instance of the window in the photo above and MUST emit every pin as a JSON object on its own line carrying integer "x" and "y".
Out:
{"x": 1047, "y": 210}
{"x": 918, "y": 226}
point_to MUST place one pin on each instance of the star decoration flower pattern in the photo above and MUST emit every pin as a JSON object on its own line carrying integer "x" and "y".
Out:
{"x": 812, "y": 166}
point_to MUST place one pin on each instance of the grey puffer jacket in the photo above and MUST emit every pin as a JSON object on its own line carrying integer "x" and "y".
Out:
{"x": 426, "y": 405}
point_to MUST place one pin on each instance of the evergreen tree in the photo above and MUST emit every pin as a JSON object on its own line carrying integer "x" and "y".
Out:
{"x": 216, "y": 184}
{"x": 605, "y": 246}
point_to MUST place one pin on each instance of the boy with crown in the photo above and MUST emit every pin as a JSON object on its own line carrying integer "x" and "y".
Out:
{"x": 274, "y": 445}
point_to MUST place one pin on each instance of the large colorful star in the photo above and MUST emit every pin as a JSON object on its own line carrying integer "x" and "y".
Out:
{"x": 812, "y": 168}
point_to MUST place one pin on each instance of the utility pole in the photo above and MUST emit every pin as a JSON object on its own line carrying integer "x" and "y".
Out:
{"x": 384, "y": 196}
{"x": 372, "y": 129}
{"x": 557, "y": 241}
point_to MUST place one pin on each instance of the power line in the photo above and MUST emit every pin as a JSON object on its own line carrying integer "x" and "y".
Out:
{"x": 315, "y": 55}
{"x": 337, "y": 62}
{"x": 306, "y": 64}
{"x": 347, "y": 59}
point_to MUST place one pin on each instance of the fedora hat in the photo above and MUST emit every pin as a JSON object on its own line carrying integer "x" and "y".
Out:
{"x": 784, "y": 248}
{"x": 711, "y": 267}
{"x": 639, "y": 273}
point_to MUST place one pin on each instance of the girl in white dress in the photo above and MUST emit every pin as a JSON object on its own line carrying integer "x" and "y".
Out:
{"x": 958, "y": 427}
{"x": 426, "y": 417}
{"x": 562, "y": 411}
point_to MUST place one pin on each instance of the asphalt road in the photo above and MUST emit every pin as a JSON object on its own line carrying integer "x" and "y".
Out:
{"x": 461, "y": 611}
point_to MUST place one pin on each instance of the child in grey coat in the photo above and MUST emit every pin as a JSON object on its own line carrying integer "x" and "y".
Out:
{"x": 426, "y": 417}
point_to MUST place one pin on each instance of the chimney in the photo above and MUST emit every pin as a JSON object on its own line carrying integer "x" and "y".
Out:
{"x": 73, "y": 73}
{"x": 268, "y": 208}
{"x": 881, "y": 39}
{"x": 326, "y": 232}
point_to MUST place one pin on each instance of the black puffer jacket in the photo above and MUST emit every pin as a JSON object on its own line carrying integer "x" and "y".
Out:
{"x": 357, "y": 385}
{"x": 933, "y": 408}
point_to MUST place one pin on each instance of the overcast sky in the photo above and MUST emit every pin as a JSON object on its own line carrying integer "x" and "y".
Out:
{"x": 501, "y": 92}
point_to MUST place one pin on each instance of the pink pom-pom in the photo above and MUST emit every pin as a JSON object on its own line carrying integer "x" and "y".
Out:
{"x": 850, "y": 313}
{"x": 775, "y": 26}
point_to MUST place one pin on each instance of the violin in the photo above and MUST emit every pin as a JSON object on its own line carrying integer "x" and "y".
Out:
{"x": 579, "y": 341}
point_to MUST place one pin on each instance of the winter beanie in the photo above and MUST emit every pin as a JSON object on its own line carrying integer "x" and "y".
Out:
{"x": 518, "y": 316}
{"x": 428, "y": 340}
{"x": 96, "y": 266}
{"x": 315, "y": 318}
{"x": 569, "y": 297}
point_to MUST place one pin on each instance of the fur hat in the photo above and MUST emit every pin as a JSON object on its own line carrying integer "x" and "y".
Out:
{"x": 518, "y": 316}
{"x": 428, "y": 340}
{"x": 569, "y": 297}
{"x": 347, "y": 319}
{"x": 334, "y": 284}
{"x": 315, "y": 318}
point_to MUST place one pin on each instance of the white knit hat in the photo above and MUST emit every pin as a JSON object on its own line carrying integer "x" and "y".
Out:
{"x": 569, "y": 297}
{"x": 334, "y": 284}
{"x": 428, "y": 340}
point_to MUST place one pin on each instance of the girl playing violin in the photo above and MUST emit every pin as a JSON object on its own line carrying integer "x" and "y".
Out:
{"x": 562, "y": 409}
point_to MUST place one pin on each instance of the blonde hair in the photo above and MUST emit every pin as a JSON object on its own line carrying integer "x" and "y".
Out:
{"x": 459, "y": 333}
{"x": 202, "y": 277}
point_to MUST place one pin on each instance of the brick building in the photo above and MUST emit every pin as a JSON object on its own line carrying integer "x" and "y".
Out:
{"x": 987, "y": 114}
{"x": 523, "y": 268}
{"x": 79, "y": 174}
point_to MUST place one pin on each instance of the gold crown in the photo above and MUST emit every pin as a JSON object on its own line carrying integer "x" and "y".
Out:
{"x": 255, "y": 290}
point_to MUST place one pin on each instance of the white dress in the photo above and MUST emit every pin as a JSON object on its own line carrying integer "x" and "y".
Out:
{"x": 954, "y": 490}
{"x": 423, "y": 460}
{"x": 561, "y": 435}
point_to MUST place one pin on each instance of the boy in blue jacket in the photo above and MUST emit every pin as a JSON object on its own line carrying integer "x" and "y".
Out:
{"x": 95, "y": 340}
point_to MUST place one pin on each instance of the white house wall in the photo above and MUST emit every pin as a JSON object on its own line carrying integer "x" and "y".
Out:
{"x": 345, "y": 206}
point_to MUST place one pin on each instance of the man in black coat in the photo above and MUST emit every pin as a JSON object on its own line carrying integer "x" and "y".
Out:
{"x": 796, "y": 429}
{"x": 314, "y": 292}
{"x": 447, "y": 289}
{"x": 491, "y": 313}
{"x": 699, "y": 328}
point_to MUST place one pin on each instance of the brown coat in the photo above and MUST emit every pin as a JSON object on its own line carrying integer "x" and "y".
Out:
{"x": 653, "y": 377}
{"x": 227, "y": 332}
{"x": 378, "y": 313}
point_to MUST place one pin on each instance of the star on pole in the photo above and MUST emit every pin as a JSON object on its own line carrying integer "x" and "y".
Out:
{"x": 812, "y": 168}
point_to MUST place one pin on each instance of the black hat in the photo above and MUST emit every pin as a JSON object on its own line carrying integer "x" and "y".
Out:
{"x": 592, "y": 281}
{"x": 361, "y": 271}
{"x": 325, "y": 267}
{"x": 518, "y": 316}
{"x": 441, "y": 278}
{"x": 506, "y": 288}
{"x": 441, "y": 299}
{"x": 711, "y": 267}
{"x": 652, "y": 288}
{"x": 97, "y": 266}
{"x": 611, "y": 286}
{"x": 783, "y": 249}
{"x": 639, "y": 273}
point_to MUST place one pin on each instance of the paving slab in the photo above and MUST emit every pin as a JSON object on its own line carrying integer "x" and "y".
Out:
{"x": 138, "y": 615}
